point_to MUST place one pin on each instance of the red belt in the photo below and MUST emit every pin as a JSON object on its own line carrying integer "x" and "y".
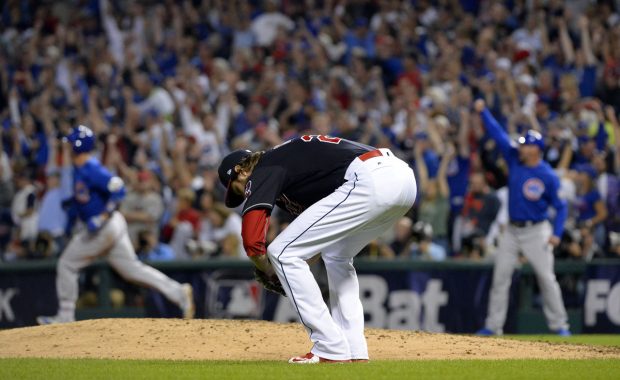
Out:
{"x": 371, "y": 154}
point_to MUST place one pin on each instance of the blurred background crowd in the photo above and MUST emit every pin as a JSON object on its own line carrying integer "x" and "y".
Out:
{"x": 170, "y": 87}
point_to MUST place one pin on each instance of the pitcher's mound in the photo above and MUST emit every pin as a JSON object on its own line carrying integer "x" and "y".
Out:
{"x": 205, "y": 339}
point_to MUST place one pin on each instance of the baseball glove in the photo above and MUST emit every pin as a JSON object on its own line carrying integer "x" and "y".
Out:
{"x": 272, "y": 284}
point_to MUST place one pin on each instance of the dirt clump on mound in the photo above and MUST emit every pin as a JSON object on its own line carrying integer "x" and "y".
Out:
{"x": 207, "y": 339}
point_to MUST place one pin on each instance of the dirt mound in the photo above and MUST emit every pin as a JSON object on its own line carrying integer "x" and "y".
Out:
{"x": 251, "y": 340}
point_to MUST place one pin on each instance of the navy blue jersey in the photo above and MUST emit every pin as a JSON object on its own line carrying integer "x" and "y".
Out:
{"x": 300, "y": 172}
{"x": 94, "y": 189}
{"x": 530, "y": 189}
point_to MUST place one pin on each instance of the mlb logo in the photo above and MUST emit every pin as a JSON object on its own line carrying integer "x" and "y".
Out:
{"x": 233, "y": 294}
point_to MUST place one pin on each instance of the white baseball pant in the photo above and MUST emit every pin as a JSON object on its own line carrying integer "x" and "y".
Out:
{"x": 532, "y": 241}
{"x": 377, "y": 193}
{"x": 113, "y": 241}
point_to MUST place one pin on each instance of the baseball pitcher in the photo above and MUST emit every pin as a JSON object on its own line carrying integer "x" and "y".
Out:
{"x": 96, "y": 194}
{"x": 532, "y": 187}
{"x": 344, "y": 194}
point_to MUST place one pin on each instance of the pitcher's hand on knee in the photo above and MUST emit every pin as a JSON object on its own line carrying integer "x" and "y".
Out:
{"x": 263, "y": 264}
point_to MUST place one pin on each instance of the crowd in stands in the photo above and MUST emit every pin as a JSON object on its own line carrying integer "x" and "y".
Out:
{"x": 170, "y": 87}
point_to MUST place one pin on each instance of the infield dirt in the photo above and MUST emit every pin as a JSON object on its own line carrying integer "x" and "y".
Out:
{"x": 205, "y": 339}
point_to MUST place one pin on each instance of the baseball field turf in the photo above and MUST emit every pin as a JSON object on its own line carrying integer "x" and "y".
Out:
{"x": 424, "y": 369}
{"x": 380, "y": 369}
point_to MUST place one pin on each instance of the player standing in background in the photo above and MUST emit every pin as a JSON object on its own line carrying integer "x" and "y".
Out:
{"x": 95, "y": 198}
{"x": 532, "y": 187}
{"x": 344, "y": 194}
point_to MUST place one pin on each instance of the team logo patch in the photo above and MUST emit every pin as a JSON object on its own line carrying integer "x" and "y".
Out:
{"x": 248, "y": 189}
{"x": 533, "y": 189}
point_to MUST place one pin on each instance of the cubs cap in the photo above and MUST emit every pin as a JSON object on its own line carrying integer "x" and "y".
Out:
{"x": 82, "y": 139}
{"x": 227, "y": 174}
{"x": 532, "y": 138}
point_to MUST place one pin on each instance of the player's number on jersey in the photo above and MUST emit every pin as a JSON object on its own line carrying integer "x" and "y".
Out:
{"x": 322, "y": 138}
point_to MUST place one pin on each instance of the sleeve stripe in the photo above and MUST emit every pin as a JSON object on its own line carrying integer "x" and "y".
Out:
{"x": 267, "y": 205}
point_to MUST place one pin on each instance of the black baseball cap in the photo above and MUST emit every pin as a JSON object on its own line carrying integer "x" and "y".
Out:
{"x": 227, "y": 174}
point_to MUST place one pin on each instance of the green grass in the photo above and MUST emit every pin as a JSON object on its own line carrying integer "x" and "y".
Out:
{"x": 420, "y": 369}
{"x": 594, "y": 339}
{"x": 457, "y": 369}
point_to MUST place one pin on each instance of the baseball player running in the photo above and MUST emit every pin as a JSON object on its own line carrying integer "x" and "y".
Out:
{"x": 344, "y": 194}
{"x": 96, "y": 194}
{"x": 532, "y": 187}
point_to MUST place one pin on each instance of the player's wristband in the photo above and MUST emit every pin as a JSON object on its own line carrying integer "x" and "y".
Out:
{"x": 96, "y": 222}
{"x": 111, "y": 207}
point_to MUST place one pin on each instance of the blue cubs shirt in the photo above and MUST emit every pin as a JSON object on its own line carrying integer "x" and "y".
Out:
{"x": 94, "y": 188}
{"x": 531, "y": 190}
